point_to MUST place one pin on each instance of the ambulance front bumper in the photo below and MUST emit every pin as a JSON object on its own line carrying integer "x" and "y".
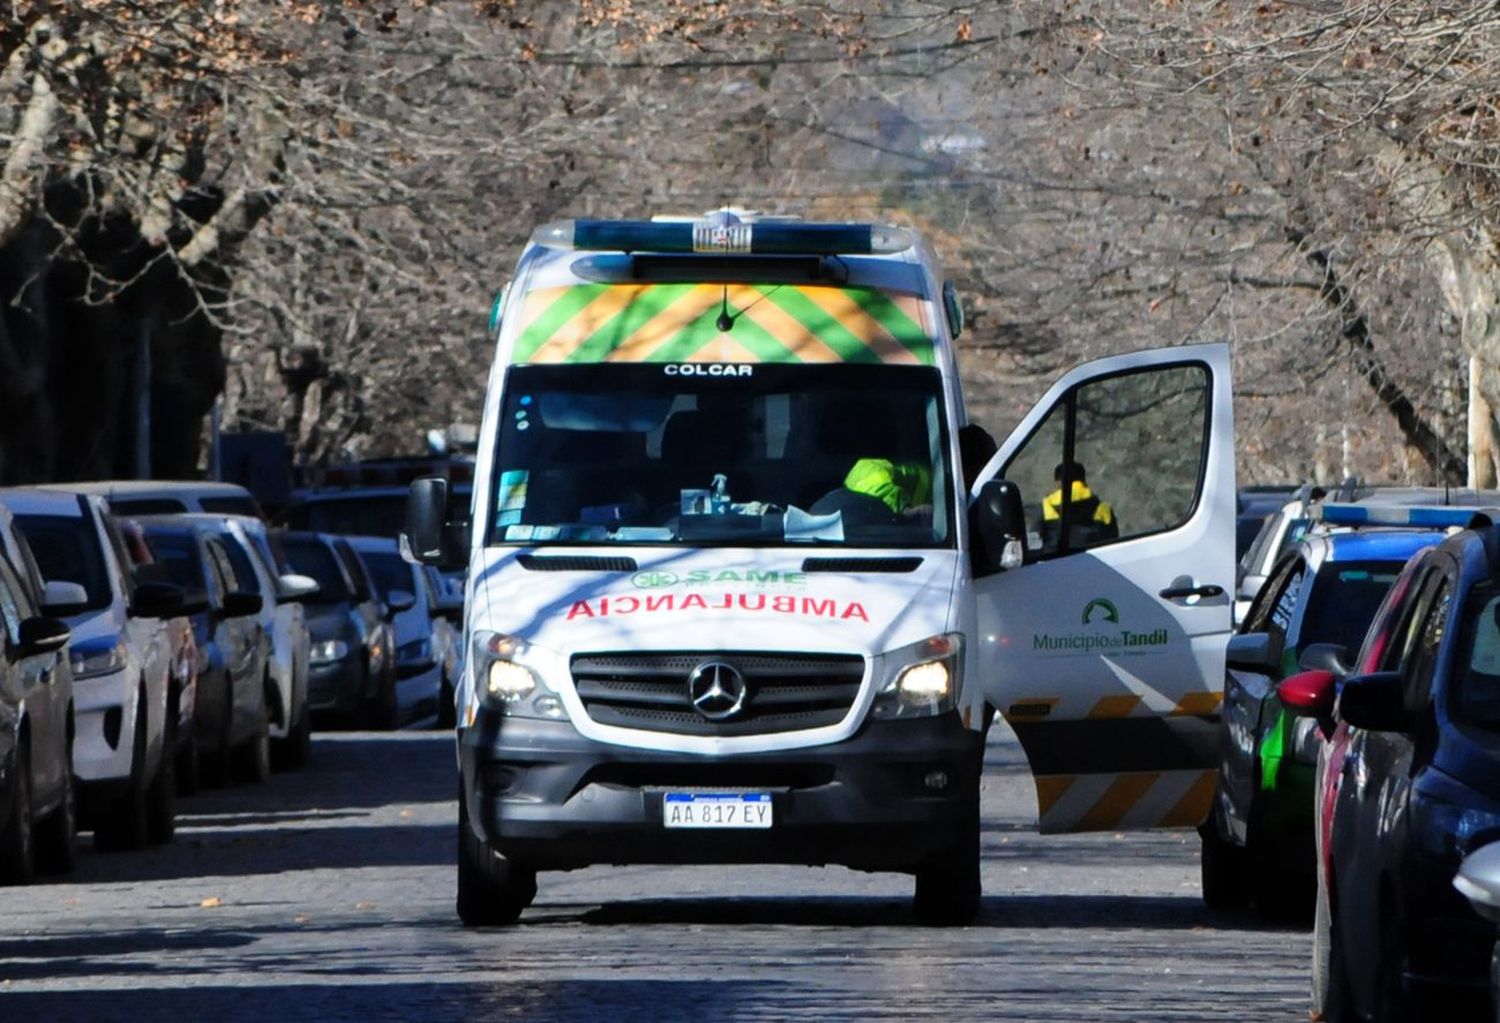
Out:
{"x": 884, "y": 799}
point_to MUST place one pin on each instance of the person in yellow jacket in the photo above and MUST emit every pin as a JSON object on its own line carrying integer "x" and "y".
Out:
{"x": 881, "y": 491}
{"x": 903, "y": 487}
{"x": 1090, "y": 519}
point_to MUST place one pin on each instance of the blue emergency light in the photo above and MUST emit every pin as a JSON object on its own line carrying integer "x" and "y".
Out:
{"x": 1412, "y": 516}
{"x": 726, "y": 233}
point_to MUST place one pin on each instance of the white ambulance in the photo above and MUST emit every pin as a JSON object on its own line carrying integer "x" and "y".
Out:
{"x": 746, "y": 585}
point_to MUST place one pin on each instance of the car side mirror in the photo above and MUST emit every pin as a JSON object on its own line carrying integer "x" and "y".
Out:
{"x": 292, "y": 586}
{"x": 1332, "y": 657}
{"x": 998, "y": 524}
{"x": 1310, "y": 694}
{"x": 429, "y": 537}
{"x": 1478, "y": 879}
{"x": 239, "y": 604}
{"x": 1253, "y": 652}
{"x": 1374, "y": 702}
{"x": 400, "y": 600}
{"x": 63, "y": 598}
{"x": 156, "y": 600}
{"x": 39, "y": 635}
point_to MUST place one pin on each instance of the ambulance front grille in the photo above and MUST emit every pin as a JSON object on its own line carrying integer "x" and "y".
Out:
{"x": 784, "y": 692}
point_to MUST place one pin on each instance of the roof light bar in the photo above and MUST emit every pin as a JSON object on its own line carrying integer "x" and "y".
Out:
{"x": 725, "y": 234}
{"x": 1437, "y": 517}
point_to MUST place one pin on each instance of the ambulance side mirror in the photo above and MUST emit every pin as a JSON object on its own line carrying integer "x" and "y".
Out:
{"x": 429, "y": 537}
{"x": 998, "y": 528}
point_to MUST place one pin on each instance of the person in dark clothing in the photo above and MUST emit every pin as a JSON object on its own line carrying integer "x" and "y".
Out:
{"x": 1090, "y": 520}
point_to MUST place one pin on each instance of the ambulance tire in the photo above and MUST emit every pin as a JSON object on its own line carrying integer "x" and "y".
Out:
{"x": 492, "y": 891}
{"x": 1222, "y": 869}
{"x": 947, "y": 885}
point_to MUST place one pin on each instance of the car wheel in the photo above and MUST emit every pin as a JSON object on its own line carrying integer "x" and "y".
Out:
{"x": 447, "y": 713}
{"x": 382, "y": 713}
{"x": 161, "y": 819}
{"x": 948, "y": 887}
{"x": 17, "y": 849}
{"x": 216, "y": 768}
{"x": 293, "y": 750}
{"x": 492, "y": 890}
{"x": 253, "y": 757}
{"x": 1222, "y": 870}
{"x": 189, "y": 769}
{"x": 123, "y": 825}
{"x": 1392, "y": 1004}
{"x": 1322, "y": 951}
{"x": 1338, "y": 1003}
{"x": 57, "y": 840}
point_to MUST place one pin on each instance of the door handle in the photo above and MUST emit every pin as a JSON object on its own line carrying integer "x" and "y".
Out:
{"x": 1178, "y": 592}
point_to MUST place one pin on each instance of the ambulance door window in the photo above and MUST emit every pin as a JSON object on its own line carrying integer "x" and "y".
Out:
{"x": 1032, "y": 469}
{"x": 1142, "y": 439}
{"x": 1117, "y": 458}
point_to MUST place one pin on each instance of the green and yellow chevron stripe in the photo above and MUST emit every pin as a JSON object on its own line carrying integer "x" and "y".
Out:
{"x": 678, "y": 323}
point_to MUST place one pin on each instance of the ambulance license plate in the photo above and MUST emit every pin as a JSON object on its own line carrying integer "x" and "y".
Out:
{"x": 716, "y": 809}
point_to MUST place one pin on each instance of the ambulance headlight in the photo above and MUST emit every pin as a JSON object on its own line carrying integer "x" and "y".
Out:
{"x": 508, "y": 680}
{"x": 921, "y": 679}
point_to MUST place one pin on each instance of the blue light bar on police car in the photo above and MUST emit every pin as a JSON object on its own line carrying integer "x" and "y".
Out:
{"x": 726, "y": 235}
{"x": 1434, "y": 517}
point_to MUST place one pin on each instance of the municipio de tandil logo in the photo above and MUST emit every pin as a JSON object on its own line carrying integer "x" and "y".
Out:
{"x": 1101, "y": 633}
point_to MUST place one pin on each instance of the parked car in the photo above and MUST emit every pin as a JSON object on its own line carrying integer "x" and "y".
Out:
{"x": 421, "y": 683}
{"x": 38, "y": 818}
{"x": 170, "y": 497}
{"x": 185, "y": 656}
{"x": 125, "y": 707}
{"x": 232, "y": 720}
{"x": 352, "y": 675}
{"x": 1407, "y": 786}
{"x": 1314, "y": 609}
{"x": 284, "y": 620}
{"x": 1252, "y": 505}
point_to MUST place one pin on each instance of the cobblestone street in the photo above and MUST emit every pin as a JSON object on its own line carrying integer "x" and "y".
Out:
{"x": 328, "y": 894}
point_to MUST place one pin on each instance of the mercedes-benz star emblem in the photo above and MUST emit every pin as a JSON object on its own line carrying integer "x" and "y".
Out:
{"x": 717, "y": 690}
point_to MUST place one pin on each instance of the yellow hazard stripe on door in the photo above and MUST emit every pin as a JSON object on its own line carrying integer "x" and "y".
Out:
{"x": 1198, "y": 704}
{"x": 1117, "y": 706}
{"x": 1129, "y": 801}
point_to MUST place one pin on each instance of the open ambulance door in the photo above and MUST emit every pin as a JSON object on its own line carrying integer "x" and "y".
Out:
{"x": 1104, "y": 649}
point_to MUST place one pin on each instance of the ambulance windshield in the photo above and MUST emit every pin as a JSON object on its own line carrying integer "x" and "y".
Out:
{"x": 718, "y": 454}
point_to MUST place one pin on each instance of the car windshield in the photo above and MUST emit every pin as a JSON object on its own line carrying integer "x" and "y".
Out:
{"x": 713, "y": 454}
{"x": 229, "y": 506}
{"x": 1476, "y": 668}
{"x": 313, "y": 558}
{"x": 350, "y": 514}
{"x": 1345, "y": 596}
{"x": 389, "y": 571}
{"x": 67, "y": 550}
{"x": 178, "y": 555}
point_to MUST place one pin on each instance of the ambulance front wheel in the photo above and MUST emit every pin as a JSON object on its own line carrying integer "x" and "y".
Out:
{"x": 492, "y": 891}
{"x": 948, "y": 887}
